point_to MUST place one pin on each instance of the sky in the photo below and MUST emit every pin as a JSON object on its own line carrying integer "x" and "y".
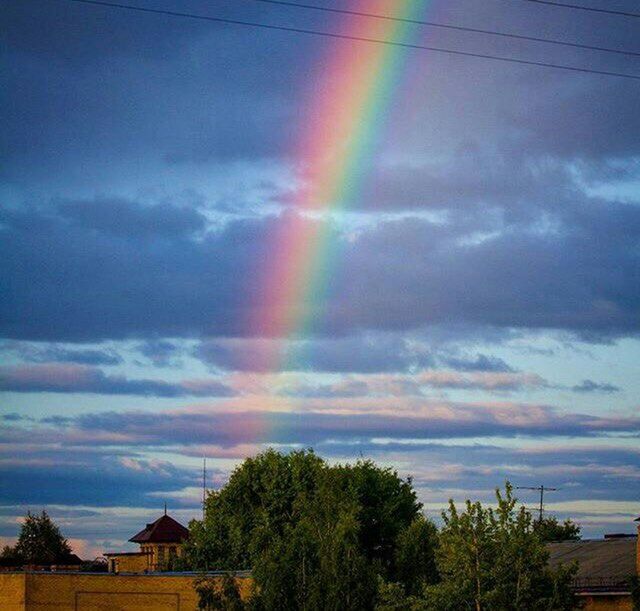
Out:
{"x": 216, "y": 239}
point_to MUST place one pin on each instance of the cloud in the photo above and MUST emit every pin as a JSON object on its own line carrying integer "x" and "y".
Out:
{"x": 101, "y": 479}
{"x": 14, "y": 417}
{"x": 52, "y": 353}
{"x": 403, "y": 275}
{"x": 361, "y": 353}
{"x": 162, "y": 353}
{"x": 59, "y": 378}
{"x": 324, "y": 420}
{"x": 481, "y": 362}
{"x": 130, "y": 219}
{"x": 398, "y": 385}
{"x": 589, "y": 386}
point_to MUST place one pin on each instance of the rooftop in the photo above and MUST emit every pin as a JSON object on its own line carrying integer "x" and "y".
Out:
{"x": 164, "y": 530}
{"x": 603, "y": 564}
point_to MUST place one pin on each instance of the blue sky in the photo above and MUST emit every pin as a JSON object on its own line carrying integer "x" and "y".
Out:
{"x": 481, "y": 323}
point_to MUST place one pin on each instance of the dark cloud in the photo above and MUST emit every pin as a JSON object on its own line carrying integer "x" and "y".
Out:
{"x": 232, "y": 428}
{"x": 82, "y": 478}
{"x": 498, "y": 200}
{"x": 36, "y": 353}
{"x": 361, "y": 353}
{"x": 68, "y": 284}
{"x": 591, "y": 386}
{"x": 59, "y": 378}
{"x": 130, "y": 219}
{"x": 482, "y": 362}
{"x": 162, "y": 353}
{"x": 14, "y": 417}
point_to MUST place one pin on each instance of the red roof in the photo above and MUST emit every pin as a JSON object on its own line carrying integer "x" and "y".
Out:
{"x": 164, "y": 530}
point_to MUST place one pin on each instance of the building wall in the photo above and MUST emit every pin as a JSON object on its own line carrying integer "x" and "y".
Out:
{"x": 152, "y": 557}
{"x": 104, "y": 592}
{"x": 161, "y": 555}
{"x": 129, "y": 563}
{"x": 12, "y": 591}
{"x": 607, "y": 603}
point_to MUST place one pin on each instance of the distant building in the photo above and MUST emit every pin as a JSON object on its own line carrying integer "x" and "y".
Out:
{"x": 160, "y": 546}
{"x": 605, "y": 568}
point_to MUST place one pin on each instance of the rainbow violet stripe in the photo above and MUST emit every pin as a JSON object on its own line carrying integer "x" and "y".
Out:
{"x": 351, "y": 97}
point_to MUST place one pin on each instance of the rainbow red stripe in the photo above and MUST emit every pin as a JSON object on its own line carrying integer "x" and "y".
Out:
{"x": 351, "y": 93}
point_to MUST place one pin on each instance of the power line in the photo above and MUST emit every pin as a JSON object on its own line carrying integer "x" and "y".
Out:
{"x": 585, "y": 8}
{"x": 449, "y": 26}
{"x": 334, "y": 35}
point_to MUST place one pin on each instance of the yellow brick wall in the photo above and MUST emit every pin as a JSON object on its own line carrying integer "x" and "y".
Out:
{"x": 607, "y": 603}
{"x": 107, "y": 592}
{"x": 131, "y": 564}
{"x": 12, "y": 591}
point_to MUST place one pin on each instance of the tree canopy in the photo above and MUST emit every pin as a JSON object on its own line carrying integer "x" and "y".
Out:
{"x": 550, "y": 529}
{"x": 493, "y": 559}
{"x": 39, "y": 542}
{"x": 315, "y": 536}
{"x": 353, "y": 537}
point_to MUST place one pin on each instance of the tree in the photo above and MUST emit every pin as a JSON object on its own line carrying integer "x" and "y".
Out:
{"x": 549, "y": 529}
{"x": 218, "y": 594}
{"x": 315, "y": 536}
{"x": 415, "y": 556}
{"x": 39, "y": 542}
{"x": 634, "y": 586}
{"x": 492, "y": 559}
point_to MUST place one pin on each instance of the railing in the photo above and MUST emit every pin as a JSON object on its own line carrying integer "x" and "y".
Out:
{"x": 601, "y": 584}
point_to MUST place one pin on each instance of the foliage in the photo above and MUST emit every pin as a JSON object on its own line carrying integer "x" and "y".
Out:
{"x": 315, "y": 536}
{"x": 218, "y": 594}
{"x": 549, "y": 529}
{"x": 634, "y": 586}
{"x": 493, "y": 559}
{"x": 392, "y": 597}
{"x": 39, "y": 542}
{"x": 415, "y": 556}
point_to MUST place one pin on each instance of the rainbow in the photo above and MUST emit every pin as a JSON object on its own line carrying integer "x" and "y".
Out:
{"x": 351, "y": 96}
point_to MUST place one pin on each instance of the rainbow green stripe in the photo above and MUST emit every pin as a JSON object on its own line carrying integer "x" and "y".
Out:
{"x": 354, "y": 91}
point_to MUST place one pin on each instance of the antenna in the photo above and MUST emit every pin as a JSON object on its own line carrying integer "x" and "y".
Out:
{"x": 541, "y": 489}
{"x": 165, "y": 508}
{"x": 204, "y": 486}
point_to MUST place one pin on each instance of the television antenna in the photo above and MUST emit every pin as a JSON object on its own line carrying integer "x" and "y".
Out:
{"x": 541, "y": 489}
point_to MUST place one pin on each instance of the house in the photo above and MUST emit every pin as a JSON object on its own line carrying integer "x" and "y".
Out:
{"x": 160, "y": 546}
{"x": 605, "y": 568}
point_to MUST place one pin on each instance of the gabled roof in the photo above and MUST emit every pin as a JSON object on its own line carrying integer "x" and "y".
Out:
{"x": 164, "y": 530}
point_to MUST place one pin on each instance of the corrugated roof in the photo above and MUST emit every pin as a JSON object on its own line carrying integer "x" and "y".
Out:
{"x": 164, "y": 530}
{"x": 613, "y": 559}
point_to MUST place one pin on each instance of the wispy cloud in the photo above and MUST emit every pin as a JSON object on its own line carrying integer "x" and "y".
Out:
{"x": 58, "y": 378}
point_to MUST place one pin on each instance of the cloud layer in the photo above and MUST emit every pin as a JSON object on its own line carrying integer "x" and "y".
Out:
{"x": 480, "y": 314}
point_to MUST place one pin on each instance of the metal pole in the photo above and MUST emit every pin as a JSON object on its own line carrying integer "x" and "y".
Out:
{"x": 540, "y": 489}
{"x": 204, "y": 486}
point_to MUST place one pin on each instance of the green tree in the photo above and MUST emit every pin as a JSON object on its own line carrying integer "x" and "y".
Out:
{"x": 315, "y": 536}
{"x": 39, "y": 542}
{"x": 415, "y": 556}
{"x": 492, "y": 559}
{"x": 218, "y": 593}
{"x": 549, "y": 529}
{"x": 392, "y": 597}
{"x": 634, "y": 586}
